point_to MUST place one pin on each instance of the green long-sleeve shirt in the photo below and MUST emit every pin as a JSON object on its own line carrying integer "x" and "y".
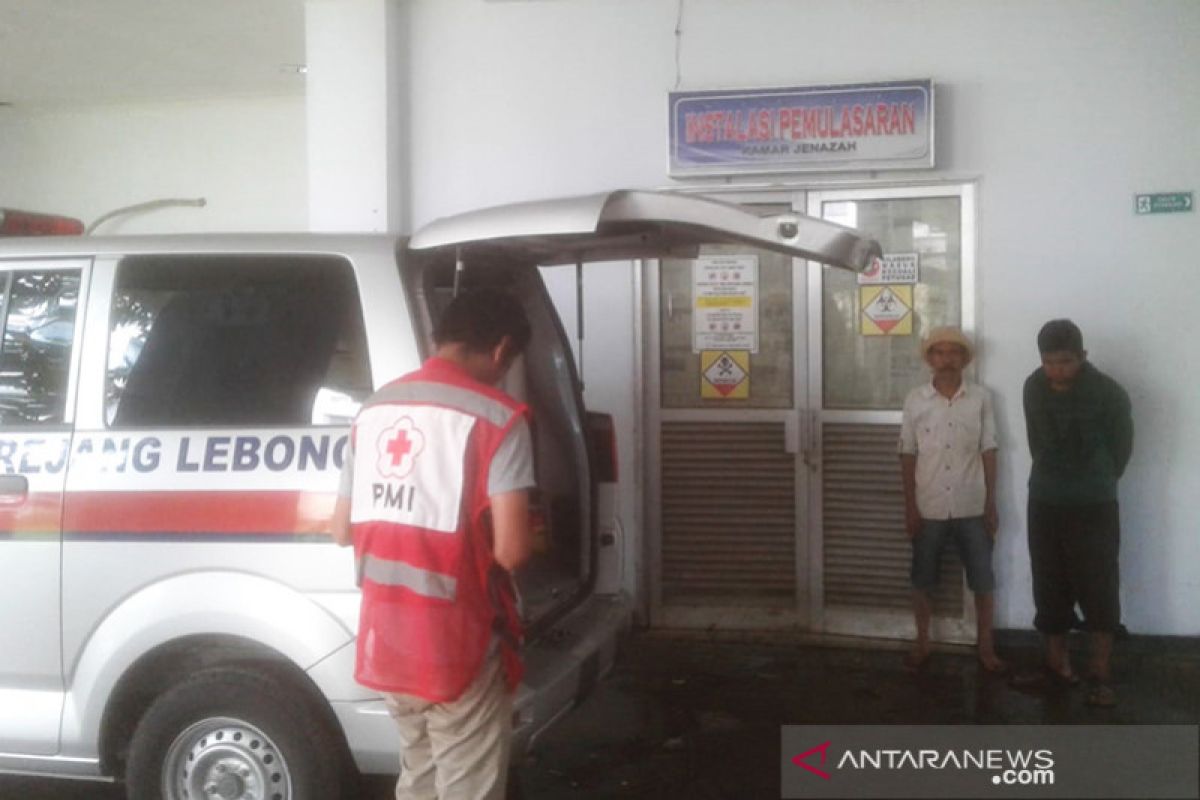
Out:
{"x": 1080, "y": 439}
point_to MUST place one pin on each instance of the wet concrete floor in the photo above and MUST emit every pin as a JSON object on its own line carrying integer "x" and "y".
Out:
{"x": 692, "y": 716}
{"x": 697, "y": 717}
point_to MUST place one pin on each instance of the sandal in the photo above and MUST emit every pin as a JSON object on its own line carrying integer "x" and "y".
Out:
{"x": 1063, "y": 681}
{"x": 1043, "y": 679}
{"x": 1101, "y": 695}
{"x": 996, "y": 667}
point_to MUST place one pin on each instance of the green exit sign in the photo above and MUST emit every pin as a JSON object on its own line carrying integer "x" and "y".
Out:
{"x": 1162, "y": 202}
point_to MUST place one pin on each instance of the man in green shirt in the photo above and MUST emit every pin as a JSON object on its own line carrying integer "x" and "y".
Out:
{"x": 1080, "y": 436}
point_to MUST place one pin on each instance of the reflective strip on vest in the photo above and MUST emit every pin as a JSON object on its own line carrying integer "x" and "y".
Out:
{"x": 465, "y": 400}
{"x": 426, "y": 583}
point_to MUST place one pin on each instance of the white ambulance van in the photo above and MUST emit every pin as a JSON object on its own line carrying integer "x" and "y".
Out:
{"x": 173, "y": 418}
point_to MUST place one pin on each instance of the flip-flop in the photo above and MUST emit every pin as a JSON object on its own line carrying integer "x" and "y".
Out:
{"x": 1100, "y": 695}
{"x": 1065, "y": 681}
{"x": 997, "y": 668}
{"x": 1042, "y": 680}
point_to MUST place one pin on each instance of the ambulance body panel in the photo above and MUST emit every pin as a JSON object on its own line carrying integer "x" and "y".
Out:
{"x": 174, "y": 416}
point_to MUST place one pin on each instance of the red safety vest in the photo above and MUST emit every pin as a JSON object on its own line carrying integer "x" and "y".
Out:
{"x": 433, "y": 596}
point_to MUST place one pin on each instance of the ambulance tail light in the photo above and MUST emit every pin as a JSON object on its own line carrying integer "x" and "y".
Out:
{"x": 602, "y": 444}
{"x": 28, "y": 223}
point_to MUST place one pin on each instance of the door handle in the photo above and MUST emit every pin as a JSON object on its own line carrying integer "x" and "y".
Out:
{"x": 812, "y": 440}
{"x": 793, "y": 437}
{"x": 13, "y": 488}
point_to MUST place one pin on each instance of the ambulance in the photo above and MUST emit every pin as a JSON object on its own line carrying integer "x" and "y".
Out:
{"x": 174, "y": 413}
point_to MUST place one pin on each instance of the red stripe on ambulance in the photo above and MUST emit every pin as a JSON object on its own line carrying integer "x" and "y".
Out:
{"x": 282, "y": 513}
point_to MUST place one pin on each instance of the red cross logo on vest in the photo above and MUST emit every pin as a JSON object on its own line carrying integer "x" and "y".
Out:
{"x": 398, "y": 447}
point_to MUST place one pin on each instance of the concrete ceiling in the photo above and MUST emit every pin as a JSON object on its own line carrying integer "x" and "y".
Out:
{"x": 72, "y": 52}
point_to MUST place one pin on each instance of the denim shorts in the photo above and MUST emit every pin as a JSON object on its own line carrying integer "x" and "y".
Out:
{"x": 974, "y": 550}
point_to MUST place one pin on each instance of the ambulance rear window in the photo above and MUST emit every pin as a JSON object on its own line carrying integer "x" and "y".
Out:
{"x": 235, "y": 341}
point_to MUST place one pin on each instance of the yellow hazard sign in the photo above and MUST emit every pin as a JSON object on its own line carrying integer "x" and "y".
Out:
{"x": 885, "y": 310}
{"x": 725, "y": 374}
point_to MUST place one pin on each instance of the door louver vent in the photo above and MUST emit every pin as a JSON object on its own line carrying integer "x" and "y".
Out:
{"x": 728, "y": 514}
{"x": 867, "y": 555}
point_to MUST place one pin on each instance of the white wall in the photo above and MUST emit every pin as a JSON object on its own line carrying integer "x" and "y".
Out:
{"x": 355, "y": 101}
{"x": 245, "y": 156}
{"x": 1061, "y": 110}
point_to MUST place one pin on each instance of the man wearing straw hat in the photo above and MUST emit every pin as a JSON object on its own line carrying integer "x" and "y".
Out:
{"x": 948, "y": 468}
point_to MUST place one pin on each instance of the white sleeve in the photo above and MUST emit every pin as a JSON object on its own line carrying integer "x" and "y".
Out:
{"x": 512, "y": 465}
{"x": 987, "y": 439}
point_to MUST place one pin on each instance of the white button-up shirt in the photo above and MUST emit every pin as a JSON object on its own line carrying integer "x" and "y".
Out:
{"x": 948, "y": 436}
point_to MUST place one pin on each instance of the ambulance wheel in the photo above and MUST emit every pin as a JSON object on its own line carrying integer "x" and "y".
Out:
{"x": 233, "y": 734}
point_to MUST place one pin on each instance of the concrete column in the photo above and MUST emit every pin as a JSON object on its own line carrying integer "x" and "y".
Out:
{"x": 356, "y": 91}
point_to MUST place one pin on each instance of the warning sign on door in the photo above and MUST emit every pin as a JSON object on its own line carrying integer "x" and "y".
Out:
{"x": 885, "y": 310}
{"x": 892, "y": 268}
{"x": 725, "y": 288}
{"x": 725, "y": 374}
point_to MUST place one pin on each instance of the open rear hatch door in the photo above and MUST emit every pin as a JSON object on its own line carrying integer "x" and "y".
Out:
{"x": 503, "y": 246}
{"x": 624, "y": 225}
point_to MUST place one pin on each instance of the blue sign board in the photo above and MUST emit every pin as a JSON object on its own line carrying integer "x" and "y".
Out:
{"x": 867, "y": 126}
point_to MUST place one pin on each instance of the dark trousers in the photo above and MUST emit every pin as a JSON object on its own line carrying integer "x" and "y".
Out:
{"x": 1073, "y": 551}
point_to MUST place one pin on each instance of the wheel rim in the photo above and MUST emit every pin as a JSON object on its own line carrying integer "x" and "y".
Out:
{"x": 225, "y": 759}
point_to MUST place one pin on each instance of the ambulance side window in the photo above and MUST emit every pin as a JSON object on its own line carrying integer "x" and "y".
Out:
{"x": 235, "y": 341}
{"x": 39, "y": 327}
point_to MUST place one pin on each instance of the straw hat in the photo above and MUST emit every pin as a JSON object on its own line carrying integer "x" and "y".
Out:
{"x": 947, "y": 334}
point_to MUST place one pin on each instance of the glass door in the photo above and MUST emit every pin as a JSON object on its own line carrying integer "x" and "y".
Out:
{"x": 727, "y": 387}
{"x": 864, "y": 332}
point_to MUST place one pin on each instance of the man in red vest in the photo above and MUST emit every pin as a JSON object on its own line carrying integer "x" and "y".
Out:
{"x": 434, "y": 500}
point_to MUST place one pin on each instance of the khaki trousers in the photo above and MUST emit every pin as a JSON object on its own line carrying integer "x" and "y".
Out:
{"x": 457, "y": 750}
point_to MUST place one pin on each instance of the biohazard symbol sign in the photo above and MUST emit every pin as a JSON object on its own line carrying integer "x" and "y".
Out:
{"x": 725, "y": 374}
{"x": 886, "y": 310}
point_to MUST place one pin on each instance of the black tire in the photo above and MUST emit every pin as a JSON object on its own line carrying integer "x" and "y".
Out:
{"x": 238, "y": 729}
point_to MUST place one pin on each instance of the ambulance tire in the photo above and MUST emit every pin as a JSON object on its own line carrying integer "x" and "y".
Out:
{"x": 235, "y": 731}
